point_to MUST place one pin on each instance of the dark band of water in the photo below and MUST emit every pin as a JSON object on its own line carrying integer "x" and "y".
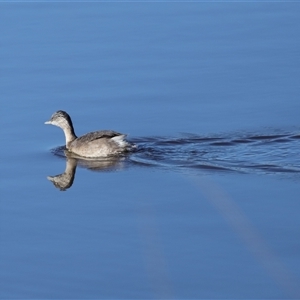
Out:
{"x": 272, "y": 153}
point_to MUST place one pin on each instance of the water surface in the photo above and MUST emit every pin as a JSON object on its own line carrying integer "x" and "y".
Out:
{"x": 207, "y": 206}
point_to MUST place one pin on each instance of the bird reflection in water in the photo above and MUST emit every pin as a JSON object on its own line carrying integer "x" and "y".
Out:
{"x": 65, "y": 180}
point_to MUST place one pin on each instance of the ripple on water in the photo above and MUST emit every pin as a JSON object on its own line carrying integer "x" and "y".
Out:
{"x": 256, "y": 153}
{"x": 250, "y": 153}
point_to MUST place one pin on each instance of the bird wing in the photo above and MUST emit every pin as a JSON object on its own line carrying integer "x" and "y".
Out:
{"x": 91, "y": 136}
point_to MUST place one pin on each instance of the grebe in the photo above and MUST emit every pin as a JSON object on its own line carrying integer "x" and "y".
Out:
{"x": 94, "y": 144}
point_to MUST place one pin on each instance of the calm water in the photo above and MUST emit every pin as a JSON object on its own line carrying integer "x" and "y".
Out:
{"x": 207, "y": 206}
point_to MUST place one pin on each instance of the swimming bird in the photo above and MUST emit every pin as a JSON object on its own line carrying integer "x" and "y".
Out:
{"x": 93, "y": 144}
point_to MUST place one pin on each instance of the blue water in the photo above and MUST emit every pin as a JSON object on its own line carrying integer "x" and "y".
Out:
{"x": 207, "y": 206}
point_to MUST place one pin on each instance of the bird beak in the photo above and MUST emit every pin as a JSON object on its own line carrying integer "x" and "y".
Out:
{"x": 48, "y": 122}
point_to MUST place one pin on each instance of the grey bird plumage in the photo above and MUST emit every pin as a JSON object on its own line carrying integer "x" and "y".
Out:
{"x": 93, "y": 144}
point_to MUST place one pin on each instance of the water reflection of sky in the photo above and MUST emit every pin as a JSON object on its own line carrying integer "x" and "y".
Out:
{"x": 165, "y": 222}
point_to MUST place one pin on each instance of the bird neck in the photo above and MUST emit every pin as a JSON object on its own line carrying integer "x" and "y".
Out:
{"x": 69, "y": 132}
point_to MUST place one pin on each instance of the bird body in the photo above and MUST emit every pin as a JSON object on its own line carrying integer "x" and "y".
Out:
{"x": 93, "y": 144}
